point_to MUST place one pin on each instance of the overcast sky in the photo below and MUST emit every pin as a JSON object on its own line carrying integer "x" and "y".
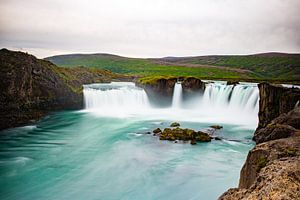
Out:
{"x": 150, "y": 28}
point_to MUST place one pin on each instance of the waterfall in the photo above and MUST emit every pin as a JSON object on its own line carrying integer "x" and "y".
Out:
{"x": 239, "y": 97}
{"x": 220, "y": 103}
{"x": 177, "y": 96}
{"x": 116, "y": 98}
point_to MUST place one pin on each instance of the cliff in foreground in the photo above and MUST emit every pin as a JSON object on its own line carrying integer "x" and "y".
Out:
{"x": 30, "y": 87}
{"x": 272, "y": 167}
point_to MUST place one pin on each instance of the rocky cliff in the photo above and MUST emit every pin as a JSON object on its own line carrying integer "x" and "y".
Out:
{"x": 162, "y": 87}
{"x": 31, "y": 87}
{"x": 272, "y": 167}
{"x": 275, "y": 100}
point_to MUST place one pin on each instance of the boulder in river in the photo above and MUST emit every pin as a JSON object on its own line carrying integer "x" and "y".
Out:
{"x": 157, "y": 130}
{"x": 216, "y": 126}
{"x": 184, "y": 135}
{"x": 175, "y": 124}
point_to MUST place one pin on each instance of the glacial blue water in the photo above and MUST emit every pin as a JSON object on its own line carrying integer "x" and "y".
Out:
{"x": 75, "y": 155}
{"x": 104, "y": 151}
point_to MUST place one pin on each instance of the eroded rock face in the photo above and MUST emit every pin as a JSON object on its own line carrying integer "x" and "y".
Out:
{"x": 273, "y": 132}
{"x": 192, "y": 86}
{"x": 275, "y": 100}
{"x": 272, "y": 168}
{"x": 283, "y": 126}
{"x": 163, "y": 89}
{"x": 282, "y": 183}
{"x": 31, "y": 87}
{"x": 159, "y": 92}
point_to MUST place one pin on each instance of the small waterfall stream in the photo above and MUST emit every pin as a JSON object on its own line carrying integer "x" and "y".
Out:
{"x": 177, "y": 96}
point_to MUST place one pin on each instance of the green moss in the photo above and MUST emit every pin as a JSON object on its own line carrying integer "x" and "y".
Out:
{"x": 261, "y": 163}
{"x": 151, "y": 80}
{"x": 291, "y": 151}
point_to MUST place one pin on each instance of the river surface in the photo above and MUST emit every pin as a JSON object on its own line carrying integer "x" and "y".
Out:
{"x": 105, "y": 152}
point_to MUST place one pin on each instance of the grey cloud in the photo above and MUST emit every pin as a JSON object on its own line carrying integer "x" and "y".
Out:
{"x": 151, "y": 28}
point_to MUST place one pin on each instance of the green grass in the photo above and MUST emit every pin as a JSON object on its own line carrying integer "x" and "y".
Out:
{"x": 285, "y": 67}
{"x": 259, "y": 68}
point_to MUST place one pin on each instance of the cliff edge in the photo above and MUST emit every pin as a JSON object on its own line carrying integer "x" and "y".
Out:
{"x": 272, "y": 167}
{"x": 31, "y": 87}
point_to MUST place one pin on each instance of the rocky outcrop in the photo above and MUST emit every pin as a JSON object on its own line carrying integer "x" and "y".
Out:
{"x": 192, "y": 86}
{"x": 162, "y": 88}
{"x": 30, "y": 87}
{"x": 271, "y": 171}
{"x": 272, "y": 168}
{"x": 284, "y": 126}
{"x": 177, "y": 133}
{"x": 159, "y": 89}
{"x": 275, "y": 100}
{"x": 278, "y": 180}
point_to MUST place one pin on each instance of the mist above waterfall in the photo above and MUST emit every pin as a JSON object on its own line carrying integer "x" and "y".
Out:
{"x": 220, "y": 103}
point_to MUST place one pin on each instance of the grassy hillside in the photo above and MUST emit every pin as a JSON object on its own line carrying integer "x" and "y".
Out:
{"x": 272, "y": 66}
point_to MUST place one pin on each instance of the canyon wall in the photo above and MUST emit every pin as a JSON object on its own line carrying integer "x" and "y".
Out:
{"x": 162, "y": 88}
{"x": 272, "y": 167}
{"x": 31, "y": 87}
{"x": 275, "y": 100}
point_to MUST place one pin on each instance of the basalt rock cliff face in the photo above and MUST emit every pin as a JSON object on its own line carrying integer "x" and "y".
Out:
{"x": 192, "y": 86}
{"x": 159, "y": 91}
{"x": 275, "y": 100}
{"x": 30, "y": 87}
{"x": 272, "y": 167}
{"x": 163, "y": 88}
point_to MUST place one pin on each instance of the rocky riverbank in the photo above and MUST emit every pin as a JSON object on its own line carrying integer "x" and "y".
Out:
{"x": 272, "y": 167}
{"x": 32, "y": 87}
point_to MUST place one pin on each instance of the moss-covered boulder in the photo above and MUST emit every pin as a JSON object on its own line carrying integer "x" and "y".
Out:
{"x": 175, "y": 124}
{"x": 202, "y": 137}
{"x": 157, "y": 130}
{"x": 216, "y": 126}
{"x": 184, "y": 135}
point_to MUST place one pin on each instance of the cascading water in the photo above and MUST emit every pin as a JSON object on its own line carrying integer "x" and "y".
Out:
{"x": 239, "y": 97}
{"x": 177, "y": 96}
{"x": 220, "y": 103}
{"x": 117, "y": 98}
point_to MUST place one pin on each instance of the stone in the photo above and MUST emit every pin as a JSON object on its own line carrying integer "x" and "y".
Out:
{"x": 274, "y": 101}
{"x": 174, "y": 124}
{"x": 216, "y": 126}
{"x": 232, "y": 83}
{"x": 193, "y": 142}
{"x": 157, "y": 130}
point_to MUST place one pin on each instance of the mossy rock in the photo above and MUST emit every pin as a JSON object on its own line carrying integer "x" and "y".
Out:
{"x": 184, "y": 135}
{"x": 157, "y": 130}
{"x": 291, "y": 151}
{"x": 216, "y": 126}
{"x": 175, "y": 124}
{"x": 202, "y": 137}
{"x": 261, "y": 163}
{"x": 193, "y": 142}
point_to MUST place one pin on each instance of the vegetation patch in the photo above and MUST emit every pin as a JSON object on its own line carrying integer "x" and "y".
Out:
{"x": 291, "y": 151}
{"x": 261, "y": 163}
